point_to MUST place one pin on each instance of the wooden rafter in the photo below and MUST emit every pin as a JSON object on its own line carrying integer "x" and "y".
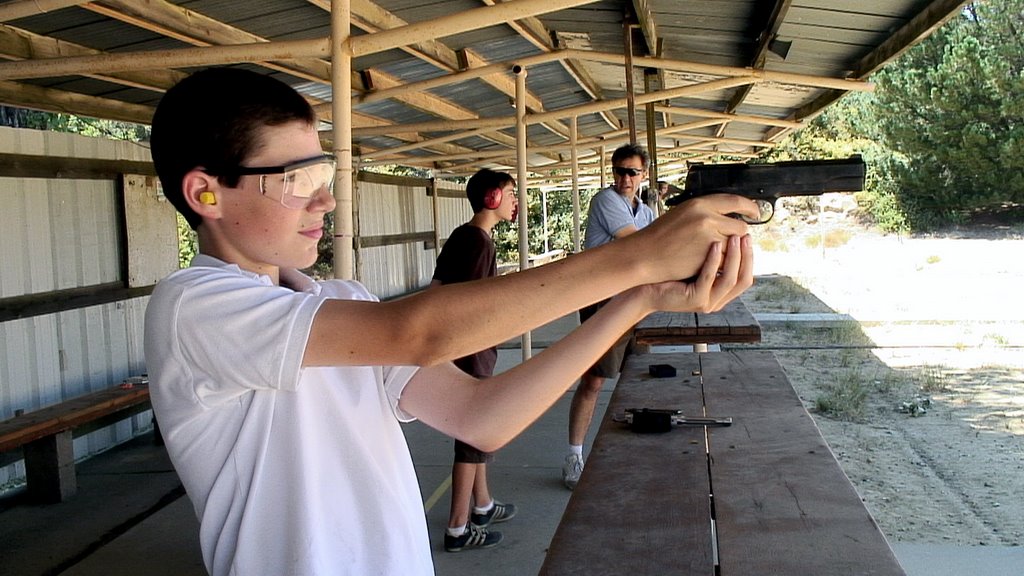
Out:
{"x": 534, "y": 32}
{"x": 768, "y": 34}
{"x": 916, "y": 29}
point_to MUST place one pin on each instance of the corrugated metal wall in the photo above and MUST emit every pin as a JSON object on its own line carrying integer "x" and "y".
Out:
{"x": 58, "y": 234}
{"x": 389, "y": 271}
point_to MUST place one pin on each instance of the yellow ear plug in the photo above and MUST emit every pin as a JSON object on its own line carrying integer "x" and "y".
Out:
{"x": 207, "y": 198}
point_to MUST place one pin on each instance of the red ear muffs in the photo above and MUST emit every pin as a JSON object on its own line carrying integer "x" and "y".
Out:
{"x": 492, "y": 199}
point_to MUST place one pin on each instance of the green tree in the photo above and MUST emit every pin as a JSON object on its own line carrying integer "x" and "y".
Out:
{"x": 952, "y": 111}
{"x": 560, "y": 223}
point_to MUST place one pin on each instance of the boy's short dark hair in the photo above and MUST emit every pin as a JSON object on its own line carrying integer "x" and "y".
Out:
{"x": 213, "y": 119}
{"x": 482, "y": 182}
{"x": 628, "y": 151}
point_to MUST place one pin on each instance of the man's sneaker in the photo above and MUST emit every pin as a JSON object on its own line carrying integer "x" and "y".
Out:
{"x": 571, "y": 470}
{"x": 473, "y": 537}
{"x": 499, "y": 513}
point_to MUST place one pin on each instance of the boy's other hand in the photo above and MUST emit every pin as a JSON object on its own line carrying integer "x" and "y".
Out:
{"x": 727, "y": 271}
{"x": 667, "y": 245}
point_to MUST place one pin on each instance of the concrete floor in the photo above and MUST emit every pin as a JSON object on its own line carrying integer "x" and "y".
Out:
{"x": 130, "y": 516}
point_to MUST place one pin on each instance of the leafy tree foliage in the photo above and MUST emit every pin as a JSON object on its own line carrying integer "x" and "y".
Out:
{"x": 943, "y": 135}
{"x": 60, "y": 122}
{"x": 559, "y": 224}
{"x": 953, "y": 108}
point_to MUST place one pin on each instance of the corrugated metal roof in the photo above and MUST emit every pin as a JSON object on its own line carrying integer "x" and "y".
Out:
{"x": 693, "y": 42}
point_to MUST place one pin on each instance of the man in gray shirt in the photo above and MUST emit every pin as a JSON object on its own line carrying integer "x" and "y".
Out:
{"x": 615, "y": 212}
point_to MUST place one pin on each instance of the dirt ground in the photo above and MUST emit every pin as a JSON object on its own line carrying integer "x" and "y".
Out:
{"x": 909, "y": 353}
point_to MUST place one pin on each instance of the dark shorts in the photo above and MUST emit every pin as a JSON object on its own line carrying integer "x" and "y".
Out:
{"x": 609, "y": 365}
{"x": 469, "y": 455}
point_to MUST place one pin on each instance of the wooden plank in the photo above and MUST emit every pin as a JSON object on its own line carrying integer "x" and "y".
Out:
{"x": 642, "y": 504}
{"x": 20, "y": 430}
{"x": 783, "y": 504}
{"x": 734, "y": 323}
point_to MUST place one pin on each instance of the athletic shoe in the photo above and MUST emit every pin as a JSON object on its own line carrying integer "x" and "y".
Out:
{"x": 474, "y": 537}
{"x": 499, "y": 513}
{"x": 571, "y": 470}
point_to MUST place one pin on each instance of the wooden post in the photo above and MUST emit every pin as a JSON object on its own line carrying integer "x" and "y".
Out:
{"x": 435, "y": 205}
{"x": 652, "y": 146}
{"x": 573, "y": 130}
{"x": 341, "y": 118}
{"x": 627, "y": 37}
{"x": 521, "y": 177}
{"x": 50, "y": 468}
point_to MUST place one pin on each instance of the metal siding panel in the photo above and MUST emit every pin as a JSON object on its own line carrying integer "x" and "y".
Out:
{"x": 64, "y": 234}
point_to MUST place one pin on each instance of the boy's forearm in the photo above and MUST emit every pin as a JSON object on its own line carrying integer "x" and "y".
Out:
{"x": 470, "y": 316}
{"x": 504, "y": 405}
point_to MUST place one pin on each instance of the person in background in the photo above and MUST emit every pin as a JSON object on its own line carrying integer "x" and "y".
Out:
{"x": 280, "y": 397}
{"x": 615, "y": 213}
{"x": 469, "y": 254}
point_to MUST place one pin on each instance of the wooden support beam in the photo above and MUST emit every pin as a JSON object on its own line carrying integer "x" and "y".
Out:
{"x": 52, "y": 100}
{"x": 24, "y": 8}
{"x": 456, "y": 23}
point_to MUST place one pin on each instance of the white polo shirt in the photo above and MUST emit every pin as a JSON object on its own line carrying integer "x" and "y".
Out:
{"x": 291, "y": 470}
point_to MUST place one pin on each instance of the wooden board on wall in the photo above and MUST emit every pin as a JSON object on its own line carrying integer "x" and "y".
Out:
{"x": 152, "y": 231}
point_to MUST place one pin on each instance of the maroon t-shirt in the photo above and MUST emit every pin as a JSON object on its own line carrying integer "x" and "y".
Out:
{"x": 469, "y": 255}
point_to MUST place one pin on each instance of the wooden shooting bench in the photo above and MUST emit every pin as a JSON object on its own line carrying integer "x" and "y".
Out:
{"x": 764, "y": 495}
{"x": 734, "y": 323}
{"x": 45, "y": 436}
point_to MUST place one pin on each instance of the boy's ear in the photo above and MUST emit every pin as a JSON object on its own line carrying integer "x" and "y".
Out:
{"x": 202, "y": 193}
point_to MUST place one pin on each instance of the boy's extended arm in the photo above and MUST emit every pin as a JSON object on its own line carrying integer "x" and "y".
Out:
{"x": 459, "y": 319}
{"x": 488, "y": 413}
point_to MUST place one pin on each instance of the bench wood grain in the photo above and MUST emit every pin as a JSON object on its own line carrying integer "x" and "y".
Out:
{"x": 769, "y": 486}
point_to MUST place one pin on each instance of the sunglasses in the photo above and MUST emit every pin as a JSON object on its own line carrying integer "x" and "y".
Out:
{"x": 294, "y": 185}
{"x": 622, "y": 171}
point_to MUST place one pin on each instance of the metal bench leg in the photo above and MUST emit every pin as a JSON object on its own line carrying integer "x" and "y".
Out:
{"x": 50, "y": 468}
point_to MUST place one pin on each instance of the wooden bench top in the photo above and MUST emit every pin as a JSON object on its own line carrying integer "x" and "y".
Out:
{"x": 20, "y": 430}
{"x": 780, "y": 501}
{"x": 734, "y": 323}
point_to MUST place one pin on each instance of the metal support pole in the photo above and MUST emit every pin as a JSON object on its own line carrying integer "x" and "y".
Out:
{"x": 521, "y": 178}
{"x": 341, "y": 108}
{"x": 573, "y": 131}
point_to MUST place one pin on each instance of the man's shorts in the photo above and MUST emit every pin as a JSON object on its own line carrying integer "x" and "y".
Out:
{"x": 609, "y": 365}
{"x": 467, "y": 454}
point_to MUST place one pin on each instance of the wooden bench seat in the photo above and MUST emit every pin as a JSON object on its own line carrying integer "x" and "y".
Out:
{"x": 45, "y": 436}
{"x": 762, "y": 496}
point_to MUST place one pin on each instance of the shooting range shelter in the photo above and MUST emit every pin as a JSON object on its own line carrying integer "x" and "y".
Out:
{"x": 545, "y": 89}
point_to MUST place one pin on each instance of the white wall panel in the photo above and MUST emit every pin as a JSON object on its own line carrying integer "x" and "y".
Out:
{"x": 60, "y": 234}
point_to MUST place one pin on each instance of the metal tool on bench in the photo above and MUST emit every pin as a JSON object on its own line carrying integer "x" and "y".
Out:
{"x": 647, "y": 420}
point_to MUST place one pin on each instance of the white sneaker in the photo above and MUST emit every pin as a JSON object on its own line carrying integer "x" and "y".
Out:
{"x": 571, "y": 470}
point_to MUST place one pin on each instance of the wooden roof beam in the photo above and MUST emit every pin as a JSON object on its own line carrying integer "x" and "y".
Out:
{"x": 534, "y": 31}
{"x": 51, "y": 100}
{"x": 578, "y": 110}
{"x": 764, "y": 40}
{"x": 745, "y": 118}
{"x": 645, "y": 20}
{"x": 24, "y": 8}
{"x": 930, "y": 18}
{"x": 18, "y": 44}
{"x": 456, "y": 23}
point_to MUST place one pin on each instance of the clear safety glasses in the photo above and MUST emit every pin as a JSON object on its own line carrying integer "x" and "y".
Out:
{"x": 294, "y": 185}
